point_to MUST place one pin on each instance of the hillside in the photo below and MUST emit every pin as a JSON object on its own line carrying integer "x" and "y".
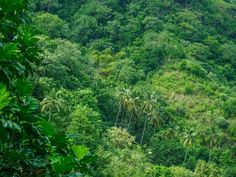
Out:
{"x": 118, "y": 88}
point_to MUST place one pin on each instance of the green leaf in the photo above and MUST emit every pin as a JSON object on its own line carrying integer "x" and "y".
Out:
{"x": 11, "y": 5}
{"x": 62, "y": 164}
{"x": 4, "y": 97}
{"x": 47, "y": 128}
{"x": 80, "y": 151}
{"x": 16, "y": 155}
{"x": 9, "y": 52}
{"x": 4, "y": 137}
{"x": 10, "y": 124}
{"x": 24, "y": 87}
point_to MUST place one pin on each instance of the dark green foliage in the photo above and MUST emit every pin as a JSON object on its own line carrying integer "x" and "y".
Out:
{"x": 167, "y": 151}
{"x": 84, "y": 29}
{"x": 29, "y": 145}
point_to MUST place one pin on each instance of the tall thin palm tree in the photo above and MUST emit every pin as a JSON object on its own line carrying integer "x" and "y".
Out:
{"x": 132, "y": 107}
{"x": 214, "y": 138}
{"x": 124, "y": 97}
{"x": 147, "y": 110}
{"x": 188, "y": 139}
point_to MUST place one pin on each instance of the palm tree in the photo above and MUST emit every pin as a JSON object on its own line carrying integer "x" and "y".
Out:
{"x": 210, "y": 134}
{"x": 49, "y": 104}
{"x": 157, "y": 118}
{"x": 132, "y": 107}
{"x": 214, "y": 138}
{"x": 188, "y": 139}
{"x": 119, "y": 96}
{"x": 118, "y": 113}
{"x": 124, "y": 97}
{"x": 148, "y": 111}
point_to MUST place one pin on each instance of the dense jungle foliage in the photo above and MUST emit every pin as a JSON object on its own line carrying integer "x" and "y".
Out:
{"x": 118, "y": 88}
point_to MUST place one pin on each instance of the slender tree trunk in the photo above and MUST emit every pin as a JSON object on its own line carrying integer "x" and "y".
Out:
{"x": 50, "y": 114}
{"x": 154, "y": 131}
{"x": 144, "y": 128}
{"x": 186, "y": 154}
{"x": 117, "y": 117}
{"x": 209, "y": 158}
{"x": 123, "y": 116}
{"x": 130, "y": 119}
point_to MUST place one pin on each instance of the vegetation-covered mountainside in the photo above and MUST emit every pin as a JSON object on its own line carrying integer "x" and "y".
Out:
{"x": 118, "y": 88}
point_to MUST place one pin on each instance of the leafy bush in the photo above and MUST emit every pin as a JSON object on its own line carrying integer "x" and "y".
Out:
{"x": 167, "y": 151}
{"x": 85, "y": 125}
{"x": 51, "y": 25}
{"x": 193, "y": 67}
{"x": 158, "y": 171}
{"x": 204, "y": 169}
{"x": 181, "y": 172}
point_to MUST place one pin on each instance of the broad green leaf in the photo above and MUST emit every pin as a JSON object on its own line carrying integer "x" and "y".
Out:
{"x": 80, "y": 151}
{"x": 4, "y": 137}
{"x": 4, "y": 97}
{"x": 16, "y": 155}
{"x": 11, "y": 5}
{"x": 47, "y": 128}
{"x": 9, "y": 52}
{"x": 24, "y": 87}
{"x": 10, "y": 124}
{"x": 62, "y": 164}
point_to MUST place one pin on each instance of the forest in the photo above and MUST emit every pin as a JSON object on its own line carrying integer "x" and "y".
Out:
{"x": 117, "y": 88}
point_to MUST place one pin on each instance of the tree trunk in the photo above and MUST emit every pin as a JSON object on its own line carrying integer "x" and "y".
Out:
{"x": 117, "y": 117}
{"x": 144, "y": 128}
{"x": 209, "y": 158}
{"x": 130, "y": 118}
{"x": 186, "y": 154}
{"x": 123, "y": 117}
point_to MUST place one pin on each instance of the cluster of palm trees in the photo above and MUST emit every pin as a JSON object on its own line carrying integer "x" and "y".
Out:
{"x": 146, "y": 107}
{"x": 149, "y": 109}
{"x": 205, "y": 133}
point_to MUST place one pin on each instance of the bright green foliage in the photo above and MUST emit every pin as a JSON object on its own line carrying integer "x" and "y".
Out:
{"x": 159, "y": 171}
{"x": 188, "y": 25}
{"x": 232, "y": 128}
{"x": 126, "y": 162}
{"x": 80, "y": 151}
{"x": 204, "y": 169}
{"x": 119, "y": 156}
{"x": 71, "y": 73}
{"x": 85, "y": 125}
{"x": 119, "y": 138}
{"x": 198, "y": 51}
{"x": 49, "y": 24}
{"x": 4, "y": 98}
{"x": 181, "y": 172}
